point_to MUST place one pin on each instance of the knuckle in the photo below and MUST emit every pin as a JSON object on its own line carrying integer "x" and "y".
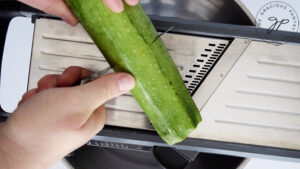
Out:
{"x": 43, "y": 79}
{"x": 61, "y": 97}
{"x": 71, "y": 98}
{"x": 72, "y": 68}
{"x": 108, "y": 92}
{"x": 50, "y": 95}
{"x": 48, "y": 81}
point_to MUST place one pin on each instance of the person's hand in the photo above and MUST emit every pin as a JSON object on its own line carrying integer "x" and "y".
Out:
{"x": 54, "y": 119}
{"x": 60, "y": 9}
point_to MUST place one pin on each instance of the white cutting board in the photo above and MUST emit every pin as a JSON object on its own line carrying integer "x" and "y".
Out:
{"x": 16, "y": 62}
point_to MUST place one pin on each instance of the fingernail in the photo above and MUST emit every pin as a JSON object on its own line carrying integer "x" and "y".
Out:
{"x": 70, "y": 20}
{"x": 118, "y": 7}
{"x": 126, "y": 82}
{"x": 132, "y": 2}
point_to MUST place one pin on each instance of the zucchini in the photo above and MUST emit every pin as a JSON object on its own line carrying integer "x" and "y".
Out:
{"x": 126, "y": 41}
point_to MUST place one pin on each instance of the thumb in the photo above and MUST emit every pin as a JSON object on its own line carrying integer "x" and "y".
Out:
{"x": 104, "y": 88}
{"x": 60, "y": 9}
{"x": 54, "y": 7}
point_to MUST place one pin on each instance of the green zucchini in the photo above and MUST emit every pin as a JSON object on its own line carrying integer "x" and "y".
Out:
{"x": 126, "y": 41}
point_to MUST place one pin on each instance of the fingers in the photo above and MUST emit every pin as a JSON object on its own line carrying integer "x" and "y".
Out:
{"x": 48, "y": 81}
{"x": 54, "y": 7}
{"x": 72, "y": 75}
{"x": 60, "y": 9}
{"x": 115, "y": 5}
{"x": 99, "y": 91}
{"x": 69, "y": 77}
{"x": 132, "y": 2}
{"x": 27, "y": 95}
{"x": 83, "y": 100}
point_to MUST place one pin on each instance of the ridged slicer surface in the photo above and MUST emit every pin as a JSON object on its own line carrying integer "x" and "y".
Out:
{"x": 258, "y": 102}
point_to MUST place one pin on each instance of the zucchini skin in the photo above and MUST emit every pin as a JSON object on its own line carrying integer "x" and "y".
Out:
{"x": 125, "y": 39}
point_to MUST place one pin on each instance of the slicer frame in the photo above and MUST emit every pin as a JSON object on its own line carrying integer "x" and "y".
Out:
{"x": 143, "y": 140}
